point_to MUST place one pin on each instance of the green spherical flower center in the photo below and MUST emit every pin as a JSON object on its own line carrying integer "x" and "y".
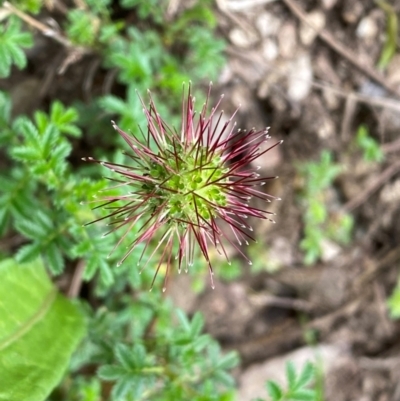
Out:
{"x": 191, "y": 189}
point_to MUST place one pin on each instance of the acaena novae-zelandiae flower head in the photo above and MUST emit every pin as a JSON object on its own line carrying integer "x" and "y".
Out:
{"x": 183, "y": 184}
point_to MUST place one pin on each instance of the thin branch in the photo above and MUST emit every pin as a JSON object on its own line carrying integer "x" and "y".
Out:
{"x": 45, "y": 29}
{"x": 377, "y": 182}
{"x": 76, "y": 282}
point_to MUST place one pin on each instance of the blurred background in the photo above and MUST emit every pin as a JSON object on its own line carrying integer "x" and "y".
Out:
{"x": 323, "y": 285}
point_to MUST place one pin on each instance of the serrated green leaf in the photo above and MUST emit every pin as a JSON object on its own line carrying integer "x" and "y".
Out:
{"x": 228, "y": 361}
{"x": 183, "y": 320}
{"x": 5, "y": 61}
{"x": 123, "y": 355}
{"x": 44, "y": 220}
{"x": 306, "y": 375}
{"x": 62, "y": 151}
{"x": 31, "y": 229}
{"x": 196, "y": 325}
{"x": 111, "y": 372}
{"x": 138, "y": 355}
{"x": 54, "y": 258}
{"x": 121, "y": 388}
{"x": 5, "y": 107}
{"x": 200, "y": 343}
{"x": 81, "y": 27}
{"x": 291, "y": 375}
{"x": 4, "y": 220}
{"x": 41, "y": 120}
{"x": 30, "y": 133}
{"x": 106, "y": 274}
{"x": 82, "y": 248}
{"x": 274, "y": 390}
{"x": 25, "y": 154}
{"x": 224, "y": 378}
{"x": 112, "y": 104}
{"x": 48, "y": 139}
{"x": 34, "y": 352}
{"x": 303, "y": 395}
{"x": 29, "y": 252}
{"x": 11, "y": 41}
{"x": 18, "y": 56}
{"x": 20, "y": 206}
{"x": 91, "y": 267}
{"x": 63, "y": 118}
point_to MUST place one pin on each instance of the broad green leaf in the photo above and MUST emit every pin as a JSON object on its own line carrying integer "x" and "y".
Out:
{"x": 39, "y": 330}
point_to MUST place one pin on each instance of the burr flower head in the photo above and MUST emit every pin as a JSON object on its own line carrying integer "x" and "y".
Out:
{"x": 182, "y": 184}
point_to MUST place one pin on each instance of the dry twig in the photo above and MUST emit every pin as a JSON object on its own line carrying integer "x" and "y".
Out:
{"x": 377, "y": 182}
{"x": 76, "y": 282}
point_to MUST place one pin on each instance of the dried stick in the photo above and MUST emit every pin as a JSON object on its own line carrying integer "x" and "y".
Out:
{"x": 46, "y": 30}
{"x": 378, "y": 181}
{"x": 76, "y": 282}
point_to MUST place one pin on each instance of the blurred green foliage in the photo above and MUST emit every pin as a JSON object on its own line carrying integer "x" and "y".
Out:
{"x": 298, "y": 385}
{"x": 319, "y": 222}
{"x": 392, "y": 27}
{"x": 370, "y": 148}
{"x": 12, "y": 42}
{"x": 393, "y": 303}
